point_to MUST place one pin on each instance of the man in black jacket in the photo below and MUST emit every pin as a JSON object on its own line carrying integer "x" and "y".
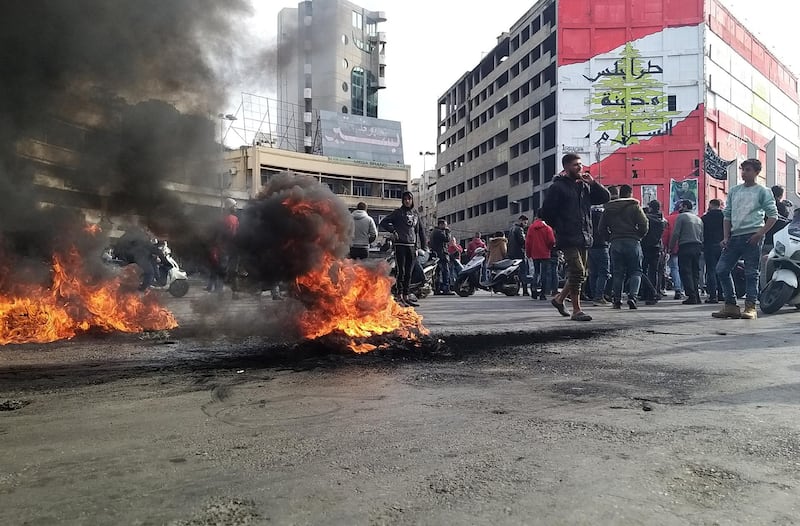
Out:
{"x": 599, "y": 259}
{"x": 567, "y": 208}
{"x": 408, "y": 234}
{"x": 516, "y": 249}
{"x": 652, "y": 249}
{"x": 713, "y": 234}
{"x": 440, "y": 237}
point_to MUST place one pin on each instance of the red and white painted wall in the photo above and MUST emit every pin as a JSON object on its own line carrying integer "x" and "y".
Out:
{"x": 645, "y": 85}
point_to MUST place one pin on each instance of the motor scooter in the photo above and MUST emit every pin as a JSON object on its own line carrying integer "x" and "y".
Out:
{"x": 501, "y": 276}
{"x": 783, "y": 268}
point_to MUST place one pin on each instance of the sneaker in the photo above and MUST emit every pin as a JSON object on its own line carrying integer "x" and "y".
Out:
{"x": 679, "y": 295}
{"x": 580, "y": 316}
{"x": 749, "y": 312}
{"x": 616, "y": 305}
{"x": 728, "y": 311}
{"x": 632, "y": 304}
{"x": 600, "y": 303}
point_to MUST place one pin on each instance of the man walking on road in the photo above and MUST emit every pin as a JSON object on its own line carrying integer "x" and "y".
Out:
{"x": 750, "y": 212}
{"x": 364, "y": 232}
{"x": 516, "y": 250}
{"x": 713, "y": 233}
{"x": 599, "y": 259}
{"x": 567, "y": 208}
{"x": 539, "y": 242}
{"x": 687, "y": 235}
{"x": 652, "y": 248}
{"x": 408, "y": 234}
{"x": 627, "y": 225}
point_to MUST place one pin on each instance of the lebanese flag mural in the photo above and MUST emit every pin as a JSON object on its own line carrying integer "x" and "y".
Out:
{"x": 637, "y": 109}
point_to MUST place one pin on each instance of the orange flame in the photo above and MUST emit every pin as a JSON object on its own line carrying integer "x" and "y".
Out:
{"x": 72, "y": 305}
{"x": 355, "y": 300}
{"x": 92, "y": 229}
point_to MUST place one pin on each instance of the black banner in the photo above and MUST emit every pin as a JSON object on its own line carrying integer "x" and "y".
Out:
{"x": 716, "y": 166}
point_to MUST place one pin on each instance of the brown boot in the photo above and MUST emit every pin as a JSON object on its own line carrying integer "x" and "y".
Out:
{"x": 728, "y": 311}
{"x": 749, "y": 311}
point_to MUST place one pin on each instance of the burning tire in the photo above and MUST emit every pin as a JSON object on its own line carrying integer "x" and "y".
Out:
{"x": 179, "y": 288}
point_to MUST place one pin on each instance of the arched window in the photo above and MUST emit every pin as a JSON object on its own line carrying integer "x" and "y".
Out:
{"x": 357, "y": 88}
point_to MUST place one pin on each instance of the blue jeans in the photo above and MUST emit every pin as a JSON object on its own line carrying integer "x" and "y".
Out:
{"x": 713, "y": 286}
{"x": 599, "y": 271}
{"x": 740, "y": 248}
{"x": 543, "y": 276}
{"x": 627, "y": 257}
{"x": 444, "y": 273}
{"x": 674, "y": 273}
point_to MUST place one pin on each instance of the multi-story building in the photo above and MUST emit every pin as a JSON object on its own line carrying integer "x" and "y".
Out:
{"x": 331, "y": 57}
{"x": 664, "y": 95}
{"x": 424, "y": 190}
{"x": 380, "y": 186}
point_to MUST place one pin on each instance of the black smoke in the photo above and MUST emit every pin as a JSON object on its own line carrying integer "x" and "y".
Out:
{"x": 291, "y": 227}
{"x": 123, "y": 91}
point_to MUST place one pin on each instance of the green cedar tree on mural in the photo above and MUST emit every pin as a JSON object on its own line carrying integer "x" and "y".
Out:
{"x": 629, "y": 101}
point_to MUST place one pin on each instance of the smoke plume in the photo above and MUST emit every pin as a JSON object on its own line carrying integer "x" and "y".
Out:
{"x": 291, "y": 227}
{"x": 111, "y": 99}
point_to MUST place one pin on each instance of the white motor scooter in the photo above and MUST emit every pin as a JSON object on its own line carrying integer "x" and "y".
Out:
{"x": 783, "y": 268}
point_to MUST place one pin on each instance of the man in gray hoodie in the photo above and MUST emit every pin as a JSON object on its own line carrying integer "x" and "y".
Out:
{"x": 626, "y": 224}
{"x": 688, "y": 235}
{"x": 364, "y": 233}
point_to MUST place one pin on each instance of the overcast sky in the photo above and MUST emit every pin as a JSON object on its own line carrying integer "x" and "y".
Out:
{"x": 431, "y": 43}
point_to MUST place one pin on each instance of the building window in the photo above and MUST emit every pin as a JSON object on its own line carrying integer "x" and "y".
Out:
{"x": 344, "y": 87}
{"x": 358, "y": 20}
{"x": 344, "y": 40}
{"x": 393, "y": 191}
{"x": 345, "y": 64}
{"x": 344, "y": 109}
{"x": 357, "y": 92}
{"x": 372, "y": 27}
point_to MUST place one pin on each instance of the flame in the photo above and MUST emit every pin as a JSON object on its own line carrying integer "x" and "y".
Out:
{"x": 36, "y": 314}
{"x": 92, "y": 229}
{"x": 356, "y": 300}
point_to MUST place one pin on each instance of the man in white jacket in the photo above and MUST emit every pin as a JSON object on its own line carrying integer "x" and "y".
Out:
{"x": 364, "y": 232}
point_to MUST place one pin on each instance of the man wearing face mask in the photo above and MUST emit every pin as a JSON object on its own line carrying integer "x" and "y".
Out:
{"x": 408, "y": 235}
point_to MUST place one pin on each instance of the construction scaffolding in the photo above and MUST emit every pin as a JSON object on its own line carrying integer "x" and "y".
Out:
{"x": 265, "y": 121}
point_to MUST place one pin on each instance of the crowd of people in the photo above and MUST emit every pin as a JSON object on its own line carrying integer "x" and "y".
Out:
{"x": 614, "y": 251}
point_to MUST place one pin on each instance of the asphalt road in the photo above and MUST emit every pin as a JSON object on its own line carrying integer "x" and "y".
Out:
{"x": 509, "y": 414}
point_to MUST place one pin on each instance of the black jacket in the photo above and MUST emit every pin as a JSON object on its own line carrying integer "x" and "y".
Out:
{"x": 656, "y": 224}
{"x": 516, "y": 242}
{"x": 439, "y": 240}
{"x": 406, "y": 224}
{"x": 567, "y": 208}
{"x": 599, "y": 237}
{"x": 713, "y": 231}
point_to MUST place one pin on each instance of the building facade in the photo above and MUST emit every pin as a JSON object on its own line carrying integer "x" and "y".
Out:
{"x": 331, "y": 57}
{"x": 379, "y": 186}
{"x": 665, "y": 95}
{"x": 424, "y": 190}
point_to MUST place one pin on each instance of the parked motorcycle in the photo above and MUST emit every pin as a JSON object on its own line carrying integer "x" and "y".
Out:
{"x": 502, "y": 276}
{"x": 422, "y": 274}
{"x": 783, "y": 269}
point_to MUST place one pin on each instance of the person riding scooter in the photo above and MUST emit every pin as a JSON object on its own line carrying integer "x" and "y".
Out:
{"x": 135, "y": 246}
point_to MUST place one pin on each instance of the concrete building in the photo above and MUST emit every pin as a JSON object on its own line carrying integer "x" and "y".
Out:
{"x": 380, "y": 187}
{"x": 424, "y": 190}
{"x": 665, "y": 95}
{"x": 331, "y": 57}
